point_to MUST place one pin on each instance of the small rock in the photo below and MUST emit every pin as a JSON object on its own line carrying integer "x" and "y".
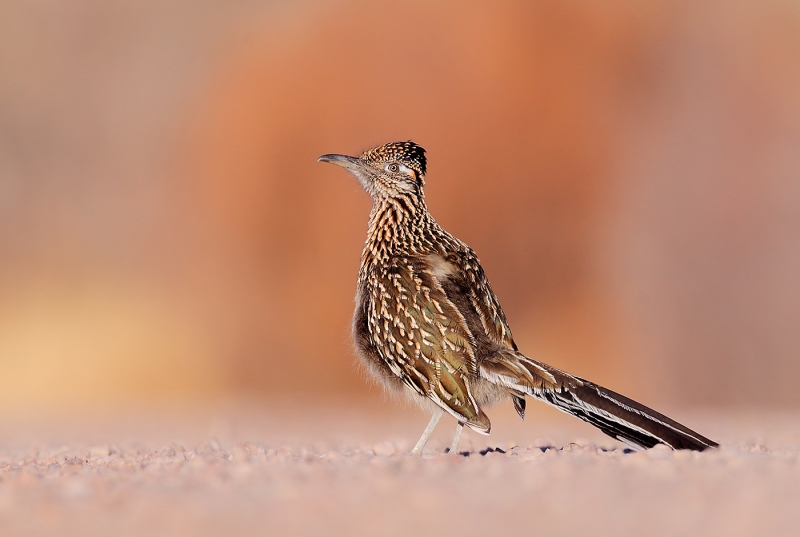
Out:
{"x": 384, "y": 449}
{"x": 166, "y": 455}
{"x": 244, "y": 451}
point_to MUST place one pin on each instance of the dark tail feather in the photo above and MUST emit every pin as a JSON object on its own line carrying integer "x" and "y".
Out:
{"x": 622, "y": 418}
{"x": 614, "y": 414}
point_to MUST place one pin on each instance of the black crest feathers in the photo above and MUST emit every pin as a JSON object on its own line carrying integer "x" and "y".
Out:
{"x": 407, "y": 153}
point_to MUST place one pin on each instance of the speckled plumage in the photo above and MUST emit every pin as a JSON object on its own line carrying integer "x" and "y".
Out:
{"x": 428, "y": 323}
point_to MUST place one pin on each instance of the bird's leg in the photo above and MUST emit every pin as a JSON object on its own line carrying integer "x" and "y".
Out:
{"x": 417, "y": 451}
{"x": 456, "y": 438}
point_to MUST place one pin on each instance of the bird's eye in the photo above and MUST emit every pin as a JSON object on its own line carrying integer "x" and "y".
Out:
{"x": 393, "y": 167}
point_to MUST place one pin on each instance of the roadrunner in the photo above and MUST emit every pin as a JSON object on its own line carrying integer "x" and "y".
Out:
{"x": 428, "y": 324}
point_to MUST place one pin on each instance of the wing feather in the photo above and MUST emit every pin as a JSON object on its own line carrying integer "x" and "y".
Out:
{"x": 483, "y": 298}
{"x": 423, "y": 338}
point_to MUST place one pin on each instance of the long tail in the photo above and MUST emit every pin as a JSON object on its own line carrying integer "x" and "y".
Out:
{"x": 616, "y": 415}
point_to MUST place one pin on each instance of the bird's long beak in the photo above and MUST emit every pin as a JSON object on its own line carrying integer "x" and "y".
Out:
{"x": 353, "y": 165}
{"x": 350, "y": 163}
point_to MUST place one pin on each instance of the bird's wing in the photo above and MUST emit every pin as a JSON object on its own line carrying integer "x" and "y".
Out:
{"x": 423, "y": 338}
{"x": 483, "y": 298}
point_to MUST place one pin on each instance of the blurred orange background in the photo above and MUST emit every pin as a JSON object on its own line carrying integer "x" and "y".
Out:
{"x": 629, "y": 174}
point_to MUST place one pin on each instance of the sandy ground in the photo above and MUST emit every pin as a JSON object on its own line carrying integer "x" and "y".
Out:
{"x": 273, "y": 468}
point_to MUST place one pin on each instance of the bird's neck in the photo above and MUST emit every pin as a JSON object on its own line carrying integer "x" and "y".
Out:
{"x": 400, "y": 226}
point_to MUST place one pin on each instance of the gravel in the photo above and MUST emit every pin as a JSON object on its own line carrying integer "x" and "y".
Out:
{"x": 261, "y": 468}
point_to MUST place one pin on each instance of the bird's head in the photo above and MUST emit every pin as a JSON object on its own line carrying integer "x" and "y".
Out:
{"x": 387, "y": 171}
